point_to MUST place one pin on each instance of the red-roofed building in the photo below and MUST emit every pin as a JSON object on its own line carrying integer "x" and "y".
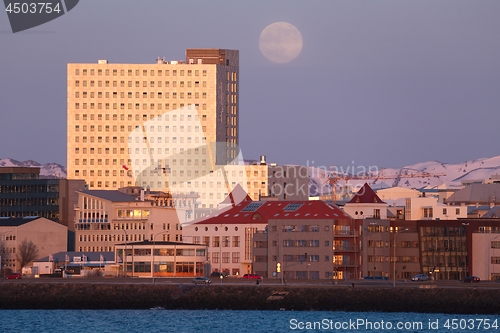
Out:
{"x": 308, "y": 238}
{"x": 366, "y": 204}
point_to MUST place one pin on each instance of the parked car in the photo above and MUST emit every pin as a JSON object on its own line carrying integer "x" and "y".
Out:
{"x": 13, "y": 276}
{"x": 252, "y": 276}
{"x": 201, "y": 280}
{"x": 218, "y": 274}
{"x": 420, "y": 277}
{"x": 471, "y": 279}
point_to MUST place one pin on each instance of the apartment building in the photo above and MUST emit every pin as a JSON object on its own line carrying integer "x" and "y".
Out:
{"x": 48, "y": 236}
{"x": 307, "y": 240}
{"x": 105, "y": 218}
{"x": 169, "y": 126}
{"x": 23, "y": 193}
{"x": 288, "y": 182}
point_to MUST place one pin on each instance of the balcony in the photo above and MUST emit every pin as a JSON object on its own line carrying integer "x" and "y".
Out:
{"x": 345, "y": 249}
{"x": 345, "y": 233}
{"x": 345, "y": 263}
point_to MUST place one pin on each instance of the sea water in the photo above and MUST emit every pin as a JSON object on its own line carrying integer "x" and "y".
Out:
{"x": 227, "y": 321}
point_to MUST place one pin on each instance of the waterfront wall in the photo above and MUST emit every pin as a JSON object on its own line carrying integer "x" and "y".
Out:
{"x": 143, "y": 296}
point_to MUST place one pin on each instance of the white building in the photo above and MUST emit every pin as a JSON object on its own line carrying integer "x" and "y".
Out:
{"x": 429, "y": 208}
{"x": 105, "y": 218}
{"x": 366, "y": 204}
{"x": 486, "y": 255}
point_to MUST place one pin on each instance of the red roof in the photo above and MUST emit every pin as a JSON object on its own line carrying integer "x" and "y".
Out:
{"x": 252, "y": 212}
{"x": 236, "y": 196}
{"x": 365, "y": 195}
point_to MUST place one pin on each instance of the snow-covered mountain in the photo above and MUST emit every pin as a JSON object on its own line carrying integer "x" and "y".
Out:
{"x": 48, "y": 170}
{"x": 421, "y": 175}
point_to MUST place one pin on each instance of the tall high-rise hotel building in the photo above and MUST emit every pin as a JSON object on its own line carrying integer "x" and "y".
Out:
{"x": 169, "y": 125}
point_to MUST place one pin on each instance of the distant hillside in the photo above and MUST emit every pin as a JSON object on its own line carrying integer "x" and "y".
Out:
{"x": 440, "y": 174}
{"x": 49, "y": 170}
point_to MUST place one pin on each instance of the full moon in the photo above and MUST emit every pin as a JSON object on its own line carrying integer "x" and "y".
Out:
{"x": 280, "y": 42}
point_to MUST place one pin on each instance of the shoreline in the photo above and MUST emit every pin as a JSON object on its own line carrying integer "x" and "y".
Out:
{"x": 247, "y": 297}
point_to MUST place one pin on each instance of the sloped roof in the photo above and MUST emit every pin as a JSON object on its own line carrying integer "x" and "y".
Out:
{"x": 365, "y": 195}
{"x": 493, "y": 213}
{"x": 236, "y": 196}
{"x": 91, "y": 256}
{"x": 111, "y": 195}
{"x": 252, "y": 212}
{"x": 484, "y": 193}
{"x": 17, "y": 221}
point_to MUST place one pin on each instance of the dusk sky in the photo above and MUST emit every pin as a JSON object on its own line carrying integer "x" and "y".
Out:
{"x": 385, "y": 83}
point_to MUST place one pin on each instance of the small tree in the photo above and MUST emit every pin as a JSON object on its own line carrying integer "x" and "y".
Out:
{"x": 27, "y": 252}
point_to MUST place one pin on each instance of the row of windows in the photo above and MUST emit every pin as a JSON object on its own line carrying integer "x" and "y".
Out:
{"x": 124, "y": 238}
{"x": 380, "y": 243}
{"x": 53, "y": 188}
{"x": 302, "y": 228}
{"x": 143, "y": 95}
{"x": 144, "y": 72}
{"x": 170, "y": 252}
{"x": 301, "y": 258}
{"x": 302, "y": 243}
{"x": 227, "y": 257}
{"x": 92, "y": 128}
{"x": 145, "y": 117}
{"x": 7, "y": 237}
{"x": 137, "y": 150}
{"x": 405, "y": 259}
{"x": 26, "y": 202}
{"x": 131, "y": 106}
{"x": 96, "y": 249}
{"x": 6, "y": 250}
{"x": 145, "y": 84}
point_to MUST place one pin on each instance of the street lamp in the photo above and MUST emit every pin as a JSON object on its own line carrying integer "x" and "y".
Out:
{"x": 395, "y": 235}
{"x": 125, "y": 255}
{"x": 153, "y": 255}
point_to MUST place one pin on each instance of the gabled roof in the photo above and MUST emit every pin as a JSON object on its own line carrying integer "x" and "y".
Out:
{"x": 236, "y": 196}
{"x": 17, "y": 221}
{"x": 365, "y": 195}
{"x": 111, "y": 195}
{"x": 256, "y": 212}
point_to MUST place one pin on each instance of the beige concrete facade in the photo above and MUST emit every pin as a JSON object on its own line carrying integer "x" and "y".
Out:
{"x": 106, "y": 219}
{"x": 311, "y": 249}
{"x": 288, "y": 182}
{"x": 486, "y": 255}
{"x": 429, "y": 208}
{"x": 48, "y": 236}
{"x": 229, "y": 244}
{"x": 166, "y": 126}
{"x": 387, "y": 243}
